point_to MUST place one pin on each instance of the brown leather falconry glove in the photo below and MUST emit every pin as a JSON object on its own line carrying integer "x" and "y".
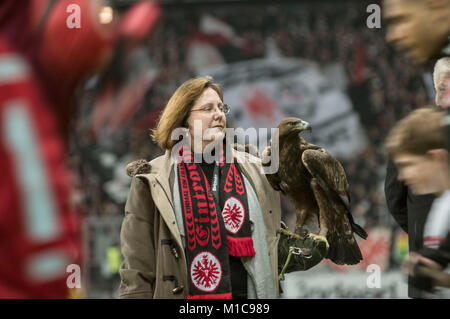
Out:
{"x": 297, "y": 252}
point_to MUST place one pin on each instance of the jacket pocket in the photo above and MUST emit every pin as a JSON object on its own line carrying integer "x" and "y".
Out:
{"x": 171, "y": 266}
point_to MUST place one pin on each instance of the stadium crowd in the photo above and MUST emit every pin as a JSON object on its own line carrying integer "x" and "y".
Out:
{"x": 386, "y": 85}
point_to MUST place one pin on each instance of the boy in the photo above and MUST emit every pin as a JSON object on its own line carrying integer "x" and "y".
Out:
{"x": 417, "y": 145}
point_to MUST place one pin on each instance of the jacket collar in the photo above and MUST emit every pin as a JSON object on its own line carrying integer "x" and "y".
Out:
{"x": 164, "y": 173}
{"x": 163, "y": 170}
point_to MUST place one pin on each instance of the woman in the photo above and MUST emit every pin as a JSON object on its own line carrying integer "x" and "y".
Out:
{"x": 201, "y": 221}
{"x": 180, "y": 246}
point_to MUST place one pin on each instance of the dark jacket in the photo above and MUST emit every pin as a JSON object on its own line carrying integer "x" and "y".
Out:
{"x": 440, "y": 255}
{"x": 409, "y": 211}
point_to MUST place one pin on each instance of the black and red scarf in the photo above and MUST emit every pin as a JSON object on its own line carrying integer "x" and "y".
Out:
{"x": 216, "y": 222}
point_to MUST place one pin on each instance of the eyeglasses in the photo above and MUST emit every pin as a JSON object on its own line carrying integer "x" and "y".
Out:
{"x": 209, "y": 108}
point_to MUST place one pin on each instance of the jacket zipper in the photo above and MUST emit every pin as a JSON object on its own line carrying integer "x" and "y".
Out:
{"x": 178, "y": 288}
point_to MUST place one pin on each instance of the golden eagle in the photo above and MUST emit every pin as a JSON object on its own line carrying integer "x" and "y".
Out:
{"x": 316, "y": 185}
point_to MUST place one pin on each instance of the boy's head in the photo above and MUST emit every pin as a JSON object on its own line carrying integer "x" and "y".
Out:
{"x": 417, "y": 144}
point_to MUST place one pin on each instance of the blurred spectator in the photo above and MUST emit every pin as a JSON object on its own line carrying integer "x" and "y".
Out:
{"x": 434, "y": 258}
{"x": 420, "y": 28}
{"x": 40, "y": 235}
{"x": 441, "y": 78}
{"x": 417, "y": 146}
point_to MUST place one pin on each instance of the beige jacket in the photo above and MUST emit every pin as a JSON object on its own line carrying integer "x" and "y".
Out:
{"x": 154, "y": 261}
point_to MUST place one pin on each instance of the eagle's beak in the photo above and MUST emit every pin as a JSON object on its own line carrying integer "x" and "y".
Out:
{"x": 302, "y": 126}
{"x": 308, "y": 127}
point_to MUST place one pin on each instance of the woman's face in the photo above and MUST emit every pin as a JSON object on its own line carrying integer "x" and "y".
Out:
{"x": 206, "y": 121}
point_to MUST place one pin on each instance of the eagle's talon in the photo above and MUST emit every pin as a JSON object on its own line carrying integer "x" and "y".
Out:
{"x": 266, "y": 156}
{"x": 319, "y": 238}
{"x": 301, "y": 231}
{"x": 284, "y": 187}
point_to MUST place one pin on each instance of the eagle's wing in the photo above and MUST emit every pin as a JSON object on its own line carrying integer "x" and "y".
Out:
{"x": 330, "y": 176}
{"x": 334, "y": 204}
{"x": 329, "y": 173}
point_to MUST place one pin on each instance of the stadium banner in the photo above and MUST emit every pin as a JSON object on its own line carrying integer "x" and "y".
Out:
{"x": 355, "y": 284}
{"x": 261, "y": 92}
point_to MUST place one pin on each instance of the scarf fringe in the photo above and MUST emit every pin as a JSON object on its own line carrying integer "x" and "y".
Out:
{"x": 240, "y": 246}
{"x": 212, "y": 296}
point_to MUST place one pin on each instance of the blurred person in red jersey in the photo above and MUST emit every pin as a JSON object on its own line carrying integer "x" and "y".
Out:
{"x": 47, "y": 48}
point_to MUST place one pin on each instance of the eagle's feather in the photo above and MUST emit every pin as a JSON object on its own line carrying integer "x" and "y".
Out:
{"x": 316, "y": 185}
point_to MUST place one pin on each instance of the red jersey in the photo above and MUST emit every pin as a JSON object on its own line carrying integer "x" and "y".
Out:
{"x": 39, "y": 236}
